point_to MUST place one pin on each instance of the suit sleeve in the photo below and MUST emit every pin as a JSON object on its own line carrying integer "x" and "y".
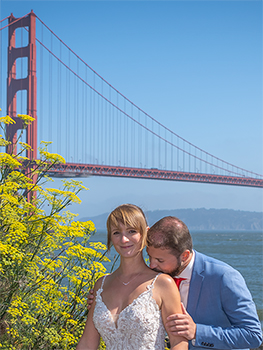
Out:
{"x": 237, "y": 304}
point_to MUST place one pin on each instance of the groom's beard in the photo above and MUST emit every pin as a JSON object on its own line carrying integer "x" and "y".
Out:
{"x": 174, "y": 272}
{"x": 177, "y": 271}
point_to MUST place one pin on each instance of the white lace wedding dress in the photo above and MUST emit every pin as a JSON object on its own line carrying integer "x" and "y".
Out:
{"x": 139, "y": 325}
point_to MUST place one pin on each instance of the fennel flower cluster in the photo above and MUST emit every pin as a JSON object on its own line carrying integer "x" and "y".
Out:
{"x": 47, "y": 264}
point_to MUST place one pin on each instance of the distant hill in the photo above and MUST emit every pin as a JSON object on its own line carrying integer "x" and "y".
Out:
{"x": 200, "y": 219}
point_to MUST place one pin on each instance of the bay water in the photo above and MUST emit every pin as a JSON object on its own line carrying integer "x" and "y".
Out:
{"x": 242, "y": 250}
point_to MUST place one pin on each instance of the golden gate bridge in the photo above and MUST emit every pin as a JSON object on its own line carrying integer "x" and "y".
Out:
{"x": 91, "y": 124}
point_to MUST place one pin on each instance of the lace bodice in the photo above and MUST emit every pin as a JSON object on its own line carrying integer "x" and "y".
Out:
{"x": 139, "y": 326}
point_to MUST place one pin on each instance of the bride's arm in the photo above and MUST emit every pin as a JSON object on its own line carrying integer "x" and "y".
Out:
{"x": 90, "y": 338}
{"x": 170, "y": 304}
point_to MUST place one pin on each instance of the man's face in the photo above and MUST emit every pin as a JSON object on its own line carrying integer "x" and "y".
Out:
{"x": 162, "y": 260}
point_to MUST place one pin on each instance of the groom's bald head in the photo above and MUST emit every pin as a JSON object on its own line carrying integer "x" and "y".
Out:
{"x": 170, "y": 233}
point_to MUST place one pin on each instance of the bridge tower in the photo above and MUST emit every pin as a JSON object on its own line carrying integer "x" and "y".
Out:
{"x": 29, "y": 83}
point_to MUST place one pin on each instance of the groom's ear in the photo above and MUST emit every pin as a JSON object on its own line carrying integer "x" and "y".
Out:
{"x": 185, "y": 255}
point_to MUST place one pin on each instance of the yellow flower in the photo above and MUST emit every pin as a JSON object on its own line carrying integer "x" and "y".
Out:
{"x": 4, "y": 143}
{"x": 45, "y": 143}
{"x": 28, "y": 320}
{"x": 6, "y": 198}
{"x": 98, "y": 245}
{"x": 46, "y": 264}
{"x": 98, "y": 267}
{"x": 25, "y": 145}
{"x": 71, "y": 195}
{"x": 27, "y": 119}
{"x": 7, "y": 120}
{"x": 52, "y": 157}
{"x": 73, "y": 184}
{"x": 7, "y": 159}
{"x": 89, "y": 225}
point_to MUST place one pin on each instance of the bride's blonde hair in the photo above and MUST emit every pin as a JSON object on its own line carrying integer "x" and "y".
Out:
{"x": 130, "y": 216}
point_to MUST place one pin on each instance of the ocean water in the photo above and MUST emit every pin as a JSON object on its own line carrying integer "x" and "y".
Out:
{"x": 241, "y": 250}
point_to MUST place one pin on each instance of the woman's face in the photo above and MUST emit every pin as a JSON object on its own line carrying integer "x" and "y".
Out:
{"x": 126, "y": 240}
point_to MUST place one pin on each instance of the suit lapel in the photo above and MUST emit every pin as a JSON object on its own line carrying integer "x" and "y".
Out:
{"x": 195, "y": 284}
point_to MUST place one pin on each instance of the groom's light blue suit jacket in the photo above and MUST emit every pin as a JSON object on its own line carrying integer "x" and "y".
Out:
{"x": 222, "y": 307}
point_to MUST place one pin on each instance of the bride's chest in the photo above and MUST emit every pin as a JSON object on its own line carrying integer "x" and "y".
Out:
{"x": 138, "y": 315}
{"x": 118, "y": 300}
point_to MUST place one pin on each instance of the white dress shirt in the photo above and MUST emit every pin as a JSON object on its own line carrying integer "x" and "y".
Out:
{"x": 184, "y": 286}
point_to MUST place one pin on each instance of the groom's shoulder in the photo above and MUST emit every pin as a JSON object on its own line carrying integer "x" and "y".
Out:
{"x": 208, "y": 262}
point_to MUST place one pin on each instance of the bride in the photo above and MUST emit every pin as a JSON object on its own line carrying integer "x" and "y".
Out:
{"x": 131, "y": 304}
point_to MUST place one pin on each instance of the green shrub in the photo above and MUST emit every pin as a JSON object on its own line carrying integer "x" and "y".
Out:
{"x": 47, "y": 264}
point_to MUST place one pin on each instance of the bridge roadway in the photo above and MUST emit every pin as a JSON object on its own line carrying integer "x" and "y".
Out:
{"x": 85, "y": 170}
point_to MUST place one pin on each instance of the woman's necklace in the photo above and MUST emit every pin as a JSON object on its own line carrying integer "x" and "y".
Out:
{"x": 126, "y": 284}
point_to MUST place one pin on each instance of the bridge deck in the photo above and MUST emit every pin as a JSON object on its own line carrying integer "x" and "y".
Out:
{"x": 85, "y": 170}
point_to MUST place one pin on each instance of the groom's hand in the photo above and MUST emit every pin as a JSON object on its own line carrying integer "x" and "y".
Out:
{"x": 90, "y": 298}
{"x": 181, "y": 324}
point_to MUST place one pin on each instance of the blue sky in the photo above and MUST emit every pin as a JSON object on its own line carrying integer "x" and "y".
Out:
{"x": 196, "y": 66}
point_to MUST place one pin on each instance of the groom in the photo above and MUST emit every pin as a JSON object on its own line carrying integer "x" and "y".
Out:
{"x": 220, "y": 311}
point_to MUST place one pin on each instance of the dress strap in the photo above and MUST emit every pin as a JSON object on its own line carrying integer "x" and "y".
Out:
{"x": 100, "y": 290}
{"x": 103, "y": 281}
{"x": 152, "y": 284}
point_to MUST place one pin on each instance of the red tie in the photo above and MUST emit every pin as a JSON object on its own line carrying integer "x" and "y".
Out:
{"x": 178, "y": 281}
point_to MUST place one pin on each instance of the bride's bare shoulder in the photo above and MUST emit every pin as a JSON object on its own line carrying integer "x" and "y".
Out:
{"x": 164, "y": 280}
{"x": 162, "y": 277}
{"x": 98, "y": 283}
